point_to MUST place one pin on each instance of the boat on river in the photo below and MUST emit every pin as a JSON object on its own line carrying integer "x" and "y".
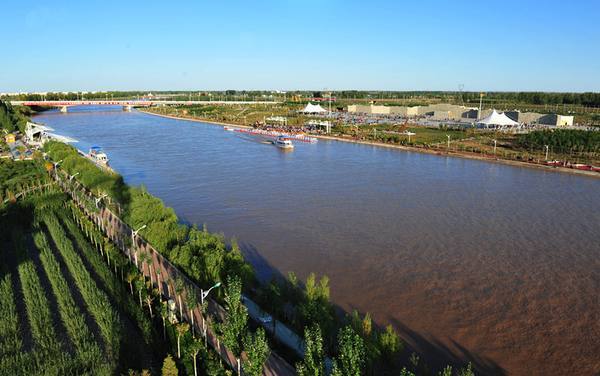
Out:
{"x": 98, "y": 156}
{"x": 283, "y": 143}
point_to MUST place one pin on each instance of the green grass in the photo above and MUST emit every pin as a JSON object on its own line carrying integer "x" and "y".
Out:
{"x": 72, "y": 318}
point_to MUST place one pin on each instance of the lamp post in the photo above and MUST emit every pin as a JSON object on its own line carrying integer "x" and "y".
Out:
{"x": 56, "y": 164}
{"x": 546, "y": 147}
{"x": 495, "y": 146}
{"x": 204, "y": 294}
{"x": 73, "y": 176}
{"x": 133, "y": 235}
{"x": 100, "y": 199}
{"x": 448, "y": 141}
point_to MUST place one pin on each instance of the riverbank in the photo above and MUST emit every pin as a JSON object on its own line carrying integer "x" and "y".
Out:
{"x": 465, "y": 155}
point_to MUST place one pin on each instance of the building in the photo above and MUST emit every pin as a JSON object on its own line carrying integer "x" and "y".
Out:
{"x": 524, "y": 117}
{"x": 556, "y": 120}
{"x": 543, "y": 119}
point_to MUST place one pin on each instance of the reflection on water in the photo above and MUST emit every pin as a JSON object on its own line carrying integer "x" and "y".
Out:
{"x": 492, "y": 263}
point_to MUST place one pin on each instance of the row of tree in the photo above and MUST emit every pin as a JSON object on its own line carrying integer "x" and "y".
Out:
{"x": 12, "y": 119}
{"x": 188, "y": 344}
{"x": 562, "y": 140}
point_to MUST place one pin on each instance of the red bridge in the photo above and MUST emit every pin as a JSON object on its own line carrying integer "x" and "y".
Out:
{"x": 127, "y": 104}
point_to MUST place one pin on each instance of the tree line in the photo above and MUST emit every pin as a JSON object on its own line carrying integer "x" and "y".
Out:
{"x": 562, "y": 140}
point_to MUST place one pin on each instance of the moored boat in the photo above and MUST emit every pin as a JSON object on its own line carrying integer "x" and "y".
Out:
{"x": 581, "y": 166}
{"x": 97, "y": 155}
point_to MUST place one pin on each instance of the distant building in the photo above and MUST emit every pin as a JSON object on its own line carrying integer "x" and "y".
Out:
{"x": 556, "y": 120}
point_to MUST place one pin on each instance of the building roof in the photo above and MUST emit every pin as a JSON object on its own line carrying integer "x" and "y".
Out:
{"x": 496, "y": 118}
{"x": 313, "y": 109}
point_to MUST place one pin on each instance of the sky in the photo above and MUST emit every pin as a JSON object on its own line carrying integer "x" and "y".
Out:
{"x": 489, "y": 45}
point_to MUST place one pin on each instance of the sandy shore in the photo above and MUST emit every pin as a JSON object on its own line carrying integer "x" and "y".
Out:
{"x": 407, "y": 148}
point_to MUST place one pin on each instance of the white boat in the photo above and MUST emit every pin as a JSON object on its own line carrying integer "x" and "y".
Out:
{"x": 283, "y": 143}
{"x": 97, "y": 155}
{"x": 230, "y": 129}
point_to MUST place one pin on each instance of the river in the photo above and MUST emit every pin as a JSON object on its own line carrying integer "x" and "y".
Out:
{"x": 469, "y": 260}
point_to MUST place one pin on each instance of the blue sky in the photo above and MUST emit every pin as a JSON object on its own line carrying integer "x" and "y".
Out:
{"x": 287, "y": 44}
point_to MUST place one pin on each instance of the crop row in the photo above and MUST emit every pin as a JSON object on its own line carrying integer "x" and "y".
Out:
{"x": 96, "y": 300}
{"x": 38, "y": 309}
{"x": 73, "y": 319}
{"x": 113, "y": 287}
{"x": 36, "y": 302}
{"x": 10, "y": 341}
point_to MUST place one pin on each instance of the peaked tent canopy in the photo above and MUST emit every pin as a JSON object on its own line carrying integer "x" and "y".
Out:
{"x": 313, "y": 109}
{"x": 497, "y": 120}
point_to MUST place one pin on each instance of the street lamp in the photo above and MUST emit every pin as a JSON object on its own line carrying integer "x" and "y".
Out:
{"x": 100, "y": 199}
{"x": 546, "y": 147}
{"x": 72, "y": 176}
{"x": 56, "y": 163}
{"x": 448, "y": 140}
{"x": 204, "y": 294}
{"x": 495, "y": 146}
{"x": 133, "y": 235}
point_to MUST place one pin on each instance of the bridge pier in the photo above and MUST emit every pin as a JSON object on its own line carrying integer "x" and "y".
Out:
{"x": 127, "y": 108}
{"x": 63, "y": 109}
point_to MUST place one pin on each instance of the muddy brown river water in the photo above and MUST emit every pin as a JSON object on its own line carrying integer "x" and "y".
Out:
{"x": 469, "y": 260}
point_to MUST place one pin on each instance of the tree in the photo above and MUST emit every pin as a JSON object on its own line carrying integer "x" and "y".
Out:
{"x": 144, "y": 259}
{"x": 149, "y": 298}
{"x": 405, "y": 372}
{"x": 467, "y": 371}
{"x": 316, "y": 307}
{"x": 192, "y": 303}
{"x": 169, "y": 367}
{"x": 194, "y": 349}
{"x": 181, "y": 329}
{"x": 257, "y": 352}
{"x": 314, "y": 358}
{"x": 140, "y": 285}
{"x": 130, "y": 278}
{"x": 179, "y": 288}
{"x": 274, "y": 300}
{"x": 234, "y": 327}
{"x": 390, "y": 343}
{"x": 351, "y": 353}
{"x": 164, "y": 313}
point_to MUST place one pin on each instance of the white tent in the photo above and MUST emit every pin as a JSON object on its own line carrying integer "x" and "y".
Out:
{"x": 313, "y": 109}
{"x": 496, "y": 120}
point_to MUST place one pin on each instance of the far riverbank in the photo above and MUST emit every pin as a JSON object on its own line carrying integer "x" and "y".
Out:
{"x": 406, "y": 148}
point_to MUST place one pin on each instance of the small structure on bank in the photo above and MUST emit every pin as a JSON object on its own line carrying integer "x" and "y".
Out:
{"x": 496, "y": 120}
{"x": 276, "y": 120}
{"x": 38, "y": 134}
{"x": 320, "y": 124}
{"x": 313, "y": 109}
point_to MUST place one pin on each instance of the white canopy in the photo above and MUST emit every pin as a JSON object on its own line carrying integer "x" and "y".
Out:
{"x": 497, "y": 119}
{"x": 313, "y": 109}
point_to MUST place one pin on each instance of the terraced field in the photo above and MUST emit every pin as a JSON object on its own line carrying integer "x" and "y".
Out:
{"x": 63, "y": 310}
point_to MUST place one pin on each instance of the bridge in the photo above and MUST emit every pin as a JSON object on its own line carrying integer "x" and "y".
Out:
{"x": 128, "y": 104}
